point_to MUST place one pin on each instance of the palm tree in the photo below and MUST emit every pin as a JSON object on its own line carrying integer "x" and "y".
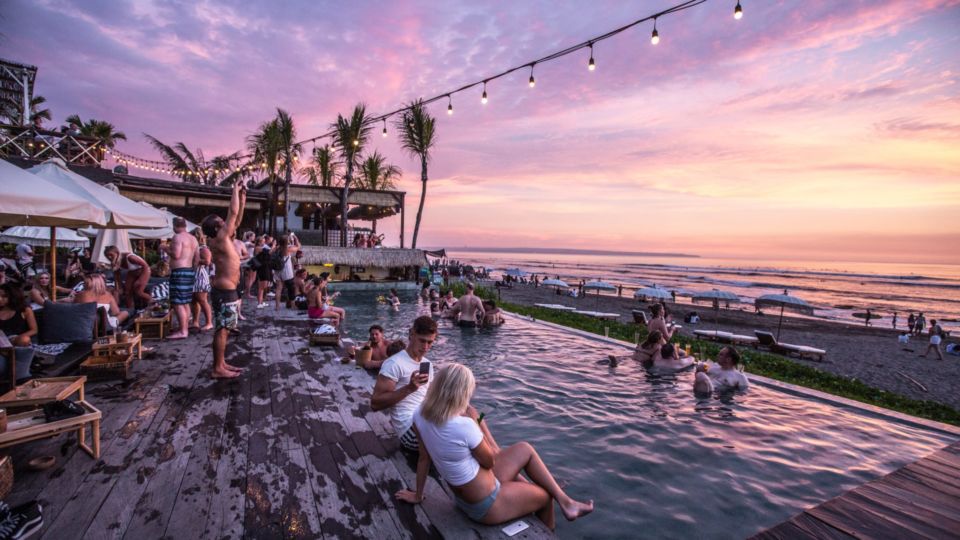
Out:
{"x": 13, "y": 112}
{"x": 349, "y": 138}
{"x": 378, "y": 175}
{"x": 98, "y": 129}
{"x": 274, "y": 145}
{"x": 417, "y": 136}
{"x": 193, "y": 167}
{"x": 325, "y": 167}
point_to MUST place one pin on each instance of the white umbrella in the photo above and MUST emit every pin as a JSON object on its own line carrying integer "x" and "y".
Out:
{"x": 110, "y": 237}
{"x": 30, "y": 200}
{"x": 715, "y": 296}
{"x": 554, "y": 283}
{"x": 40, "y": 236}
{"x": 149, "y": 234}
{"x": 654, "y": 292}
{"x": 599, "y": 286}
{"x": 121, "y": 212}
{"x": 784, "y": 301}
{"x": 514, "y": 272}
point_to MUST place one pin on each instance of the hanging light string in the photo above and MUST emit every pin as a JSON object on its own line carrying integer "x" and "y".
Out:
{"x": 448, "y": 95}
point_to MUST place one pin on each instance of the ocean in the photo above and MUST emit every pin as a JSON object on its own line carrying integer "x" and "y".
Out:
{"x": 836, "y": 290}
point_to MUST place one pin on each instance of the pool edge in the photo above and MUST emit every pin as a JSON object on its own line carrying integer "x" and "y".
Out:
{"x": 778, "y": 385}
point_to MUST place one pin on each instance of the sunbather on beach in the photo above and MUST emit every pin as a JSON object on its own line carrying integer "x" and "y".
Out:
{"x": 658, "y": 322}
{"x": 485, "y": 480}
{"x": 469, "y": 309}
{"x": 667, "y": 358}
{"x": 722, "y": 375}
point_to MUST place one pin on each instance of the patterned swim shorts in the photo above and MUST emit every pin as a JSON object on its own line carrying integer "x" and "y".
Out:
{"x": 226, "y": 308}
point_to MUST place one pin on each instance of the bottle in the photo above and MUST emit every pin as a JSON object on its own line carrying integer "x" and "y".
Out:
{"x": 687, "y": 349}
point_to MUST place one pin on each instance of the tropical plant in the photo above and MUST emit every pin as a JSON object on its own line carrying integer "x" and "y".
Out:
{"x": 378, "y": 175}
{"x": 104, "y": 131}
{"x": 325, "y": 167}
{"x": 274, "y": 145}
{"x": 12, "y": 112}
{"x": 350, "y": 138}
{"x": 191, "y": 166}
{"x": 417, "y": 136}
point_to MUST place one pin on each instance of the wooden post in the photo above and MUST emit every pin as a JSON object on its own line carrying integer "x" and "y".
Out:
{"x": 53, "y": 262}
{"x": 403, "y": 197}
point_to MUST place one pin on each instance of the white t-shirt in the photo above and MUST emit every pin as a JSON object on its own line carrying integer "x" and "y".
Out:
{"x": 24, "y": 253}
{"x": 287, "y": 271}
{"x": 399, "y": 368}
{"x": 450, "y": 445}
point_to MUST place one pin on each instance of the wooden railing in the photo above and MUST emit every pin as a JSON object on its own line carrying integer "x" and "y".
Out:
{"x": 41, "y": 144}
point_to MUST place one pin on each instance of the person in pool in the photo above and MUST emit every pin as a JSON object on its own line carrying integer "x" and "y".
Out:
{"x": 469, "y": 309}
{"x": 667, "y": 357}
{"x": 659, "y": 323}
{"x": 644, "y": 351}
{"x": 484, "y": 479}
{"x": 724, "y": 375}
{"x": 492, "y": 315}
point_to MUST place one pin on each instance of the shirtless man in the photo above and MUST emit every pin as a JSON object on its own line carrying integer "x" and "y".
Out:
{"x": 183, "y": 252}
{"x": 223, "y": 292}
{"x": 469, "y": 309}
{"x": 378, "y": 344}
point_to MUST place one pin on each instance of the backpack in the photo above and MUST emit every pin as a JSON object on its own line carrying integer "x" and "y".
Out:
{"x": 276, "y": 261}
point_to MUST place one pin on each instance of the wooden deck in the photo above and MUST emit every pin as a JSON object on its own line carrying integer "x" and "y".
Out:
{"x": 288, "y": 450}
{"x": 921, "y": 500}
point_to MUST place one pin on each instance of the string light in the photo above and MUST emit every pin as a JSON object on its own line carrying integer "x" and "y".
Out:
{"x": 591, "y": 65}
{"x": 449, "y": 105}
{"x": 532, "y": 81}
{"x": 738, "y": 11}
{"x": 483, "y": 99}
{"x": 384, "y": 127}
{"x": 655, "y": 36}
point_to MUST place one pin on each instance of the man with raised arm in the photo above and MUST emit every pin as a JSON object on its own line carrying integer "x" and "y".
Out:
{"x": 183, "y": 252}
{"x": 223, "y": 293}
{"x": 469, "y": 309}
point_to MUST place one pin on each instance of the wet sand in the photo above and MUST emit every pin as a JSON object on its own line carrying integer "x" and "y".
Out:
{"x": 870, "y": 354}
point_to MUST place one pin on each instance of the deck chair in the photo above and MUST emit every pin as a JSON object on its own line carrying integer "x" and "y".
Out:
{"x": 640, "y": 317}
{"x": 769, "y": 341}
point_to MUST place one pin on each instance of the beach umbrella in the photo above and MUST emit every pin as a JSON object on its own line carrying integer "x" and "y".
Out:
{"x": 40, "y": 236}
{"x": 110, "y": 237}
{"x": 558, "y": 283}
{"x": 147, "y": 234}
{"x": 715, "y": 296}
{"x": 514, "y": 272}
{"x": 654, "y": 292}
{"x": 784, "y": 301}
{"x": 598, "y": 286}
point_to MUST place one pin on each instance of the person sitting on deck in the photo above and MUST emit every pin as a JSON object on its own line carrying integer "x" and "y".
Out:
{"x": 658, "y": 323}
{"x": 668, "y": 357}
{"x": 300, "y": 289}
{"x": 42, "y": 289}
{"x": 468, "y": 310}
{"x": 493, "y": 316}
{"x": 19, "y": 324}
{"x": 400, "y": 386}
{"x": 485, "y": 480}
{"x": 378, "y": 346}
{"x": 317, "y": 305}
{"x": 95, "y": 290}
{"x": 329, "y": 298}
{"x": 724, "y": 375}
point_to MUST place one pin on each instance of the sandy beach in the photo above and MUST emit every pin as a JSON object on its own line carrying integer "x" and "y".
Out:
{"x": 870, "y": 354}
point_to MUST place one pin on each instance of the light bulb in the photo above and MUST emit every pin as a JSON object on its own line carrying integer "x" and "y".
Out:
{"x": 532, "y": 82}
{"x": 384, "y": 127}
{"x": 483, "y": 99}
{"x": 655, "y": 37}
{"x": 450, "y": 107}
{"x": 356, "y": 142}
{"x": 738, "y": 11}
{"x": 591, "y": 65}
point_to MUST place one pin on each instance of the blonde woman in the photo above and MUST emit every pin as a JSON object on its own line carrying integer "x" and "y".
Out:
{"x": 42, "y": 289}
{"x": 95, "y": 290}
{"x": 484, "y": 481}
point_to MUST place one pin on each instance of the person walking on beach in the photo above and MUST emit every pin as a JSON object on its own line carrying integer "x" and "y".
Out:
{"x": 183, "y": 256}
{"x": 894, "y": 322}
{"x": 866, "y": 320}
{"x": 920, "y": 324}
{"x": 911, "y": 322}
{"x": 223, "y": 291}
{"x": 936, "y": 337}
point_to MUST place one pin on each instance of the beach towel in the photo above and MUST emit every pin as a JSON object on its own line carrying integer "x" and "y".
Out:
{"x": 324, "y": 330}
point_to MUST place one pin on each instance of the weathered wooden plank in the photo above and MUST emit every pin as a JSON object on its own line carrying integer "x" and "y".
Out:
{"x": 910, "y": 504}
{"x": 898, "y": 481}
{"x": 799, "y": 527}
{"x": 858, "y": 517}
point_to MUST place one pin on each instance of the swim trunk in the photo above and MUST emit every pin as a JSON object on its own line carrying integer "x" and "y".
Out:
{"x": 476, "y": 511}
{"x": 182, "y": 281}
{"x": 464, "y": 323}
{"x": 315, "y": 312}
{"x": 410, "y": 441}
{"x": 226, "y": 308}
{"x": 935, "y": 340}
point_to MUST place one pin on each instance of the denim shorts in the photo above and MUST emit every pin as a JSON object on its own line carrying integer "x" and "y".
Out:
{"x": 476, "y": 511}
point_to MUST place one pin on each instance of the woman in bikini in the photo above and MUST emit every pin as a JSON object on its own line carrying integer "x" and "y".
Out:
{"x": 138, "y": 275}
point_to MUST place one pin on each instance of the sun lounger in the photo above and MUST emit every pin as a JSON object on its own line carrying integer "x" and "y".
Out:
{"x": 768, "y": 340}
{"x": 727, "y": 337}
{"x": 597, "y": 314}
{"x": 558, "y": 307}
{"x": 640, "y": 317}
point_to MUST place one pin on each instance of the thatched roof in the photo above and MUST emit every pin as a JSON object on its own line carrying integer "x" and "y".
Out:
{"x": 378, "y": 258}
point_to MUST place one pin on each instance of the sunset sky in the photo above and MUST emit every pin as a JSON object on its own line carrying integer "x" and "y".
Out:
{"x": 810, "y": 129}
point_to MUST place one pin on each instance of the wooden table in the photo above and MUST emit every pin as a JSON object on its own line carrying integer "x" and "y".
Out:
{"x": 32, "y": 425}
{"x": 160, "y": 323}
{"x": 39, "y": 391}
{"x": 6, "y": 349}
{"x": 133, "y": 344}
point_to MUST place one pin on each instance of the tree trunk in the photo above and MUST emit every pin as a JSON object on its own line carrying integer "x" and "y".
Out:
{"x": 423, "y": 196}
{"x": 343, "y": 203}
{"x": 286, "y": 192}
{"x": 271, "y": 214}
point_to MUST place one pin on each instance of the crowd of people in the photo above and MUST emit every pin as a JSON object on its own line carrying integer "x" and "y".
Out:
{"x": 370, "y": 240}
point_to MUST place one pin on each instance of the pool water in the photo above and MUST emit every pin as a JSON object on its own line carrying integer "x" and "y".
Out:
{"x": 657, "y": 461}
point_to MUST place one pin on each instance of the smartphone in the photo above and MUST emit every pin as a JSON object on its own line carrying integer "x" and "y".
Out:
{"x": 515, "y": 527}
{"x": 424, "y": 367}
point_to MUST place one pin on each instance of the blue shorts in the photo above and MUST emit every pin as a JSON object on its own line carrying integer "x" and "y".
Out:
{"x": 476, "y": 511}
{"x": 182, "y": 281}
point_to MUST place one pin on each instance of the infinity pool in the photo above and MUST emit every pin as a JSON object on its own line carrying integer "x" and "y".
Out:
{"x": 658, "y": 462}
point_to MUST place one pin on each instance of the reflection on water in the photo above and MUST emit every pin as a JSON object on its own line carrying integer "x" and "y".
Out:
{"x": 652, "y": 456}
